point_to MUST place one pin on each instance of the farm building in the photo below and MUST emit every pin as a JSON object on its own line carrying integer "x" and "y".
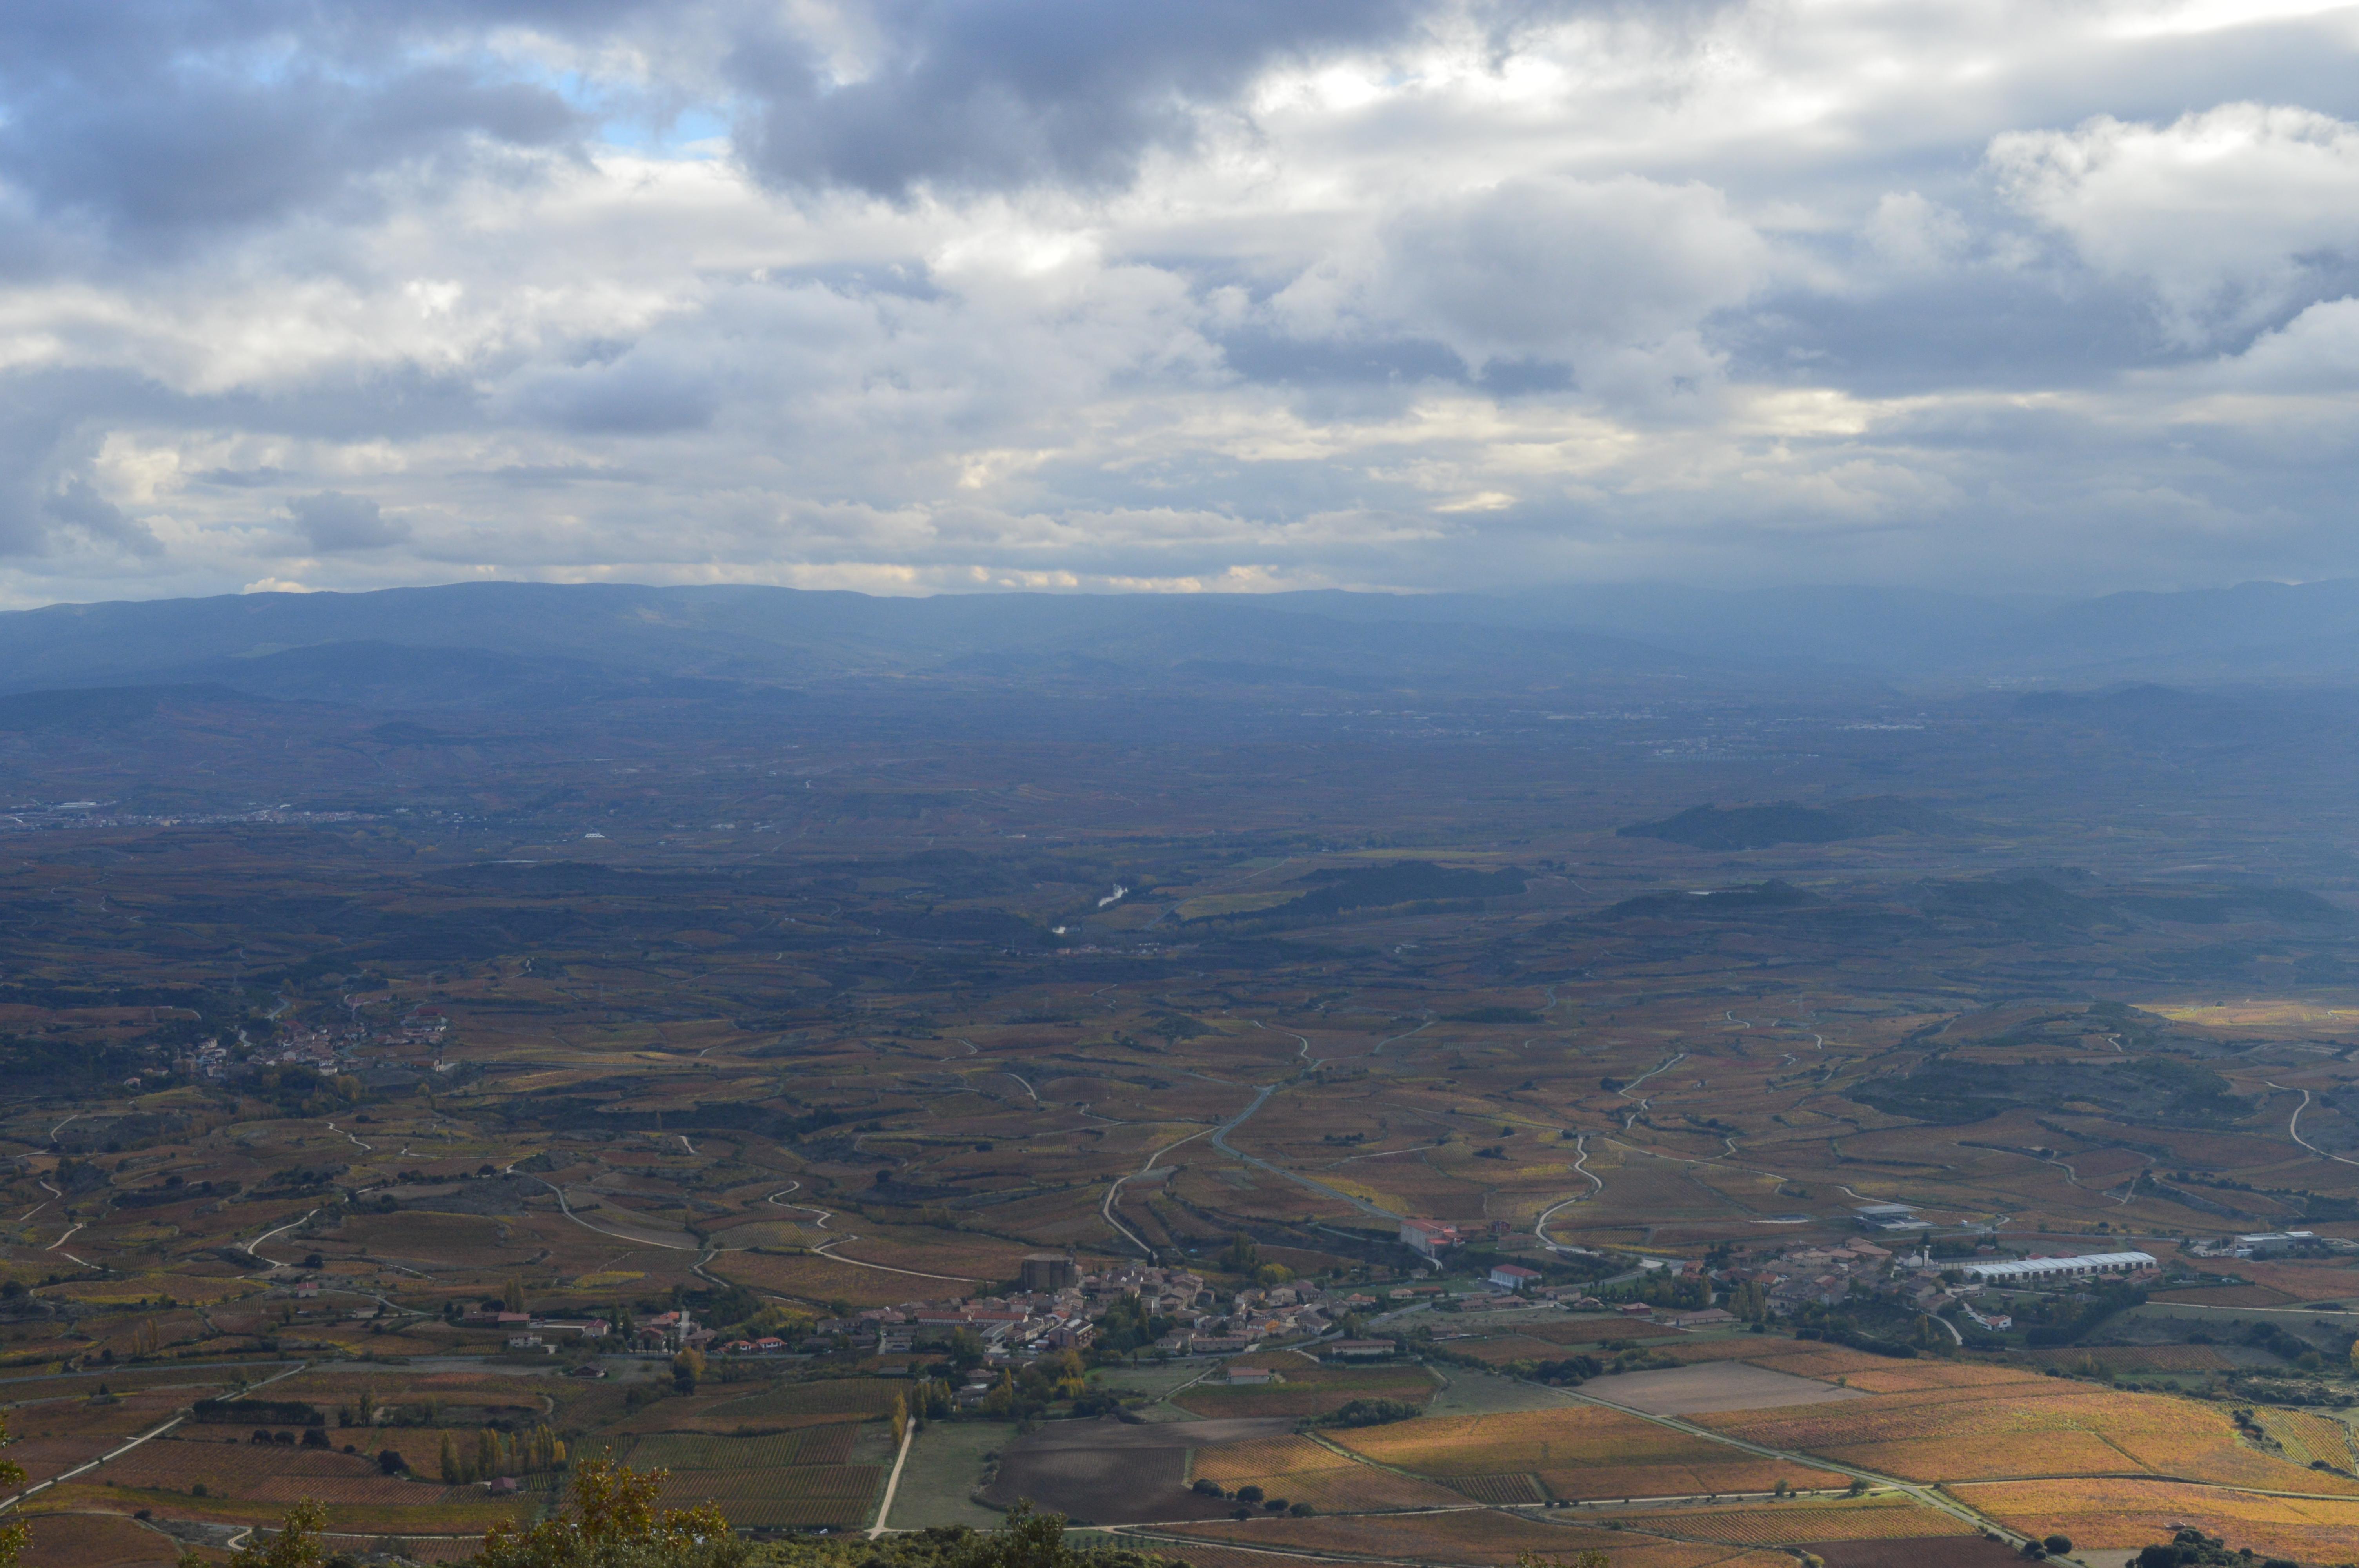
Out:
{"x": 1050, "y": 1271}
{"x": 2273, "y": 1243}
{"x": 1514, "y": 1276}
{"x": 1429, "y": 1237}
{"x": 2053, "y": 1270}
{"x": 1251, "y": 1376}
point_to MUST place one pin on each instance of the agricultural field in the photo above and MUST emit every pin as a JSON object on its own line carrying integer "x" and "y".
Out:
{"x": 1581, "y": 1452}
{"x": 2104, "y": 1515}
{"x": 2025, "y": 1426}
{"x": 1309, "y": 1389}
{"x": 824, "y": 1022}
{"x": 1885, "y": 1518}
{"x": 1474, "y": 1539}
{"x": 97, "y": 1540}
{"x": 1305, "y": 1471}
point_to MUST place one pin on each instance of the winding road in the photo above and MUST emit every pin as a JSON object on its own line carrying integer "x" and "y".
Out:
{"x": 1221, "y": 1141}
{"x": 1113, "y": 1192}
{"x": 249, "y": 1248}
{"x": 2293, "y": 1127}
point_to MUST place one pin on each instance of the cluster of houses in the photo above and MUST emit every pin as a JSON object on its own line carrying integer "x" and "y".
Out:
{"x": 1813, "y": 1275}
{"x": 208, "y": 1059}
{"x": 1254, "y": 1317}
{"x": 1058, "y": 1305}
{"x": 326, "y": 1051}
{"x": 1052, "y": 1310}
{"x": 526, "y": 1332}
{"x": 2273, "y": 1244}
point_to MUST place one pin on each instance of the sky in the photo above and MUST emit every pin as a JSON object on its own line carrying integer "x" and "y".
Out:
{"x": 922, "y": 296}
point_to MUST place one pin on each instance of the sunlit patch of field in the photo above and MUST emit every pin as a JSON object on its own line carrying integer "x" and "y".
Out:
{"x": 1304, "y": 1470}
{"x": 1577, "y": 1452}
{"x": 1479, "y": 1537}
{"x": 2111, "y": 1514}
{"x": 2309, "y": 1437}
{"x": 1210, "y": 905}
{"x": 1889, "y": 1516}
{"x": 2027, "y": 1425}
{"x": 2275, "y": 1015}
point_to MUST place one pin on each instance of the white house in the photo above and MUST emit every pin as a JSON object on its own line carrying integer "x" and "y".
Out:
{"x": 1428, "y": 1237}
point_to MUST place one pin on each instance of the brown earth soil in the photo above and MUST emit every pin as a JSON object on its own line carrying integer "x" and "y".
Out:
{"x": 1105, "y": 1472}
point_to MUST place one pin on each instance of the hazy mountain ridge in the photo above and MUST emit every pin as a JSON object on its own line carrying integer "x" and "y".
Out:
{"x": 493, "y": 643}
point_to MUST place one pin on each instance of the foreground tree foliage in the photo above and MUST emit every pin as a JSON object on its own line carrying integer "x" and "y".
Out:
{"x": 1029, "y": 1539}
{"x": 11, "y": 1539}
{"x": 2190, "y": 1548}
{"x": 612, "y": 1522}
{"x": 297, "y": 1542}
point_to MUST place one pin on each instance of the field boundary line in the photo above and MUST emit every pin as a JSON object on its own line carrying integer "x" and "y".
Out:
{"x": 2293, "y": 1127}
{"x": 1302, "y": 1554}
{"x": 88, "y": 1465}
{"x": 637, "y": 1241}
{"x": 1930, "y": 1494}
{"x": 1115, "y": 1191}
{"x": 2148, "y": 1476}
{"x": 893, "y": 1482}
{"x": 266, "y": 1235}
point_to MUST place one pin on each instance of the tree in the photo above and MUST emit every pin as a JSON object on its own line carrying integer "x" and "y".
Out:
{"x": 295, "y": 1543}
{"x": 2057, "y": 1545}
{"x": 11, "y": 1539}
{"x": 966, "y": 1348}
{"x": 612, "y": 1522}
{"x": 452, "y": 1473}
{"x": 512, "y": 1297}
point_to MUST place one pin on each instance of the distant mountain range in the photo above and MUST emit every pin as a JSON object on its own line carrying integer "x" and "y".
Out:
{"x": 497, "y": 643}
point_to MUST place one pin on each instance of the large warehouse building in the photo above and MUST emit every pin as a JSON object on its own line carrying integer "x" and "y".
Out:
{"x": 2055, "y": 1271}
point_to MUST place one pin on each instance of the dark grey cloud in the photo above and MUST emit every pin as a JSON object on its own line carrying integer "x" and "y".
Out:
{"x": 634, "y": 395}
{"x": 967, "y": 94}
{"x": 1948, "y": 332}
{"x": 1404, "y": 291}
{"x": 78, "y": 504}
{"x": 158, "y": 119}
{"x": 335, "y": 523}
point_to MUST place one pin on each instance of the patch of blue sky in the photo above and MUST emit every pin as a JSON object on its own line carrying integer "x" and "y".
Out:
{"x": 628, "y": 116}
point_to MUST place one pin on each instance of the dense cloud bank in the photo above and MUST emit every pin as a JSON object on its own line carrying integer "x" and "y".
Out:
{"x": 917, "y": 293}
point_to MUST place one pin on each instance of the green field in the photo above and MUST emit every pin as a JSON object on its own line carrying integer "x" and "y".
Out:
{"x": 946, "y": 1464}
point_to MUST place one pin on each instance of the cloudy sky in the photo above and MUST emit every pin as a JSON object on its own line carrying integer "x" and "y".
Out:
{"x": 918, "y": 295}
